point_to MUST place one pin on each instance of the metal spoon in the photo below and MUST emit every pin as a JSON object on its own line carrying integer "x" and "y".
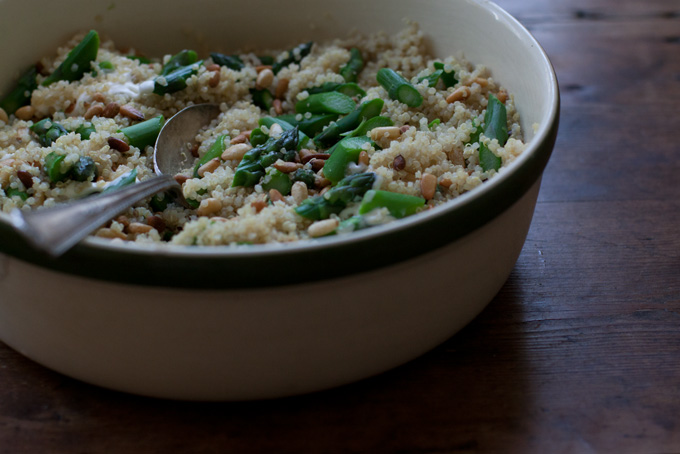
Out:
{"x": 56, "y": 230}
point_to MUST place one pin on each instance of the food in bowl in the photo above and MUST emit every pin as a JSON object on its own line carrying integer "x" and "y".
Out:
{"x": 316, "y": 140}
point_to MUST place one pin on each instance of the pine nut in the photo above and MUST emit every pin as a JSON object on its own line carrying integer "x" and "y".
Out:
{"x": 385, "y": 133}
{"x": 208, "y": 167}
{"x": 308, "y": 156}
{"x": 236, "y": 152}
{"x": 278, "y": 108}
{"x": 399, "y": 163}
{"x": 118, "y": 144}
{"x": 98, "y": 97}
{"x": 138, "y": 227}
{"x": 132, "y": 113}
{"x": 25, "y": 113}
{"x": 445, "y": 183}
{"x": 111, "y": 110}
{"x": 260, "y": 68}
{"x": 275, "y": 195}
{"x": 181, "y": 179}
{"x": 502, "y": 96}
{"x": 317, "y": 164}
{"x": 364, "y": 159}
{"x": 95, "y": 110}
{"x": 322, "y": 228}
{"x": 194, "y": 150}
{"x": 299, "y": 192}
{"x": 26, "y": 178}
{"x": 124, "y": 221}
{"x": 483, "y": 82}
{"x": 286, "y": 167}
{"x": 3, "y": 115}
{"x": 214, "y": 81}
{"x": 428, "y": 185}
{"x": 259, "y": 205}
{"x": 209, "y": 206}
{"x": 212, "y": 67}
{"x": 111, "y": 234}
{"x": 241, "y": 138}
{"x": 281, "y": 88}
{"x": 264, "y": 79}
{"x": 404, "y": 128}
{"x": 156, "y": 222}
{"x": 458, "y": 95}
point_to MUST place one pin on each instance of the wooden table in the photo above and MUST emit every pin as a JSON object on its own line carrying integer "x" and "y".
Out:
{"x": 580, "y": 351}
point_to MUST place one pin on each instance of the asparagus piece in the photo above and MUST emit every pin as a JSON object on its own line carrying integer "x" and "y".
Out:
{"x": 351, "y": 70}
{"x": 215, "y": 151}
{"x": 230, "y": 61}
{"x": 262, "y": 98}
{"x": 294, "y": 55}
{"x": 449, "y": 78}
{"x": 21, "y": 95}
{"x": 252, "y": 167}
{"x": 310, "y": 126}
{"x": 53, "y": 167}
{"x": 48, "y": 131}
{"x": 286, "y": 126}
{"x": 174, "y": 81}
{"x": 122, "y": 181}
{"x": 399, "y": 205}
{"x": 350, "y": 89}
{"x": 348, "y": 190}
{"x": 85, "y": 130}
{"x": 307, "y": 176}
{"x": 179, "y": 60}
{"x": 341, "y": 154}
{"x": 328, "y": 102}
{"x": 275, "y": 179}
{"x": 365, "y": 111}
{"x": 399, "y": 88}
{"x": 84, "y": 169}
{"x": 77, "y": 61}
{"x": 12, "y": 192}
{"x": 367, "y": 125}
{"x": 145, "y": 133}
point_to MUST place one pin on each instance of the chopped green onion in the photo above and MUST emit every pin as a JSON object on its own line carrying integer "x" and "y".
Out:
{"x": 399, "y": 88}
{"x": 85, "y": 130}
{"x": 434, "y": 123}
{"x": 14, "y": 192}
{"x": 53, "y": 167}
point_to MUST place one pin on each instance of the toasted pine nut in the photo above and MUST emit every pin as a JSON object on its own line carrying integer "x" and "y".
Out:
{"x": 260, "y": 68}
{"x": 241, "y": 138}
{"x": 25, "y": 113}
{"x": 278, "y": 108}
{"x": 275, "y": 130}
{"x": 458, "y": 94}
{"x": 275, "y": 195}
{"x": 385, "y": 132}
{"x": 236, "y": 152}
{"x": 212, "y": 67}
{"x": 95, "y": 110}
{"x": 502, "y": 96}
{"x": 123, "y": 220}
{"x": 3, "y": 115}
{"x": 208, "y": 167}
{"x": 299, "y": 192}
{"x": 156, "y": 222}
{"x": 128, "y": 111}
{"x": 214, "y": 81}
{"x": 98, "y": 97}
{"x": 111, "y": 110}
{"x": 321, "y": 228}
{"x": 118, "y": 144}
{"x": 281, "y": 88}
{"x": 209, "y": 206}
{"x": 483, "y": 82}
{"x": 317, "y": 164}
{"x": 286, "y": 167}
{"x": 111, "y": 233}
{"x": 194, "y": 150}
{"x": 309, "y": 155}
{"x": 399, "y": 163}
{"x": 364, "y": 159}
{"x": 70, "y": 107}
{"x": 428, "y": 185}
{"x": 181, "y": 179}
{"x": 321, "y": 182}
{"x": 264, "y": 79}
{"x": 26, "y": 178}
{"x": 445, "y": 183}
{"x": 138, "y": 227}
{"x": 259, "y": 205}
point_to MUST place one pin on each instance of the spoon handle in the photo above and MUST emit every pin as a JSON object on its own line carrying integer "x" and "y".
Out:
{"x": 56, "y": 230}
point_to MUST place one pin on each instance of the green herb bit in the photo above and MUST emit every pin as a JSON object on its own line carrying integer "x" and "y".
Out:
{"x": 310, "y": 126}
{"x": 341, "y": 154}
{"x": 433, "y": 124}
{"x": 352, "y": 225}
{"x": 449, "y": 78}
{"x": 365, "y": 111}
{"x": 48, "y": 131}
{"x": 329, "y": 102}
{"x": 85, "y": 130}
{"x": 21, "y": 95}
{"x": 496, "y": 120}
{"x": 215, "y": 151}
{"x": 78, "y": 61}
{"x": 121, "y": 182}
{"x": 54, "y": 167}
{"x": 14, "y": 192}
{"x": 399, "y": 205}
{"x": 275, "y": 179}
{"x": 433, "y": 78}
{"x": 348, "y": 190}
{"x": 399, "y": 88}
{"x": 487, "y": 159}
{"x": 262, "y": 98}
{"x": 84, "y": 170}
{"x": 294, "y": 55}
{"x": 233, "y": 62}
{"x": 144, "y": 133}
{"x": 354, "y": 65}
{"x": 367, "y": 125}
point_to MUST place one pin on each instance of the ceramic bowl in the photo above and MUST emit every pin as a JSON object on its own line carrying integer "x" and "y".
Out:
{"x": 222, "y": 324}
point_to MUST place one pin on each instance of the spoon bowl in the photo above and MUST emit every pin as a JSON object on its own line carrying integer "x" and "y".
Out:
{"x": 56, "y": 230}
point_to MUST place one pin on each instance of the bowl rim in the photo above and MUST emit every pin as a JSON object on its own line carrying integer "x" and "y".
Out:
{"x": 497, "y": 193}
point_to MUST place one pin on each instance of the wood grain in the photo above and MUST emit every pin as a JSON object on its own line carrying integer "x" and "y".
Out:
{"x": 578, "y": 353}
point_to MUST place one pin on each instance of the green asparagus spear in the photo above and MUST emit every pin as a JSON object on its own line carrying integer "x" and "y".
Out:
{"x": 77, "y": 61}
{"x": 341, "y": 154}
{"x": 21, "y": 95}
{"x": 367, "y": 125}
{"x": 252, "y": 167}
{"x": 326, "y": 103}
{"x": 286, "y": 126}
{"x": 84, "y": 169}
{"x": 145, "y": 133}
{"x": 365, "y": 111}
{"x": 348, "y": 190}
{"x": 174, "y": 81}
{"x": 262, "y": 98}
{"x": 215, "y": 151}
{"x": 310, "y": 126}
{"x": 120, "y": 182}
{"x": 399, "y": 88}
{"x": 294, "y": 55}
{"x": 399, "y": 205}
{"x": 275, "y": 179}
{"x": 307, "y": 176}
{"x": 230, "y": 61}
{"x": 350, "y": 89}
{"x": 179, "y": 60}
{"x": 85, "y": 130}
{"x": 48, "y": 131}
{"x": 54, "y": 167}
{"x": 351, "y": 70}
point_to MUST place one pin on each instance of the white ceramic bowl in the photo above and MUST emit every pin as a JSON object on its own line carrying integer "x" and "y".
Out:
{"x": 215, "y": 324}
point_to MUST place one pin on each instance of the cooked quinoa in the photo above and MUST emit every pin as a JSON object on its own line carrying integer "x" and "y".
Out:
{"x": 430, "y": 152}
